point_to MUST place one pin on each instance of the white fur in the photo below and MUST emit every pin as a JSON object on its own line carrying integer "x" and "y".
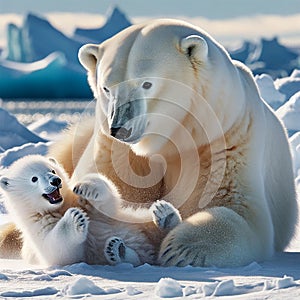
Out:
{"x": 49, "y": 236}
{"x": 240, "y": 206}
{"x": 54, "y": 237}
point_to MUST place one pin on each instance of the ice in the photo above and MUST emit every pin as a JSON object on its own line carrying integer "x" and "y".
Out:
{"x": 289, "y": 113}
{"x": 36, "y": 39}
{"x": 271, "y": 57}
{"x": 268, "y": 91}
{"x": 13, "y": 133}
{"x": 132, "y": 291}
{"x": 225, "y": 288}
{"x": 82, "y": 286}
{"x": 168, "y": 288}
{"x": 280, "y": 283}
{"x": 209, "y": 288}
{"x": 50, "y": 77}
{"x": 285, "y": 282}
{"x": 288, "y": 85}
{"x": 12, "y": 154}
{"x": 35, "y": 293}
{"x": 47, "y": 128}
{"x": 40, "y": 61}
{"x": 116, "y": 21}
{"x": 3, "y": 277}
{"x": 295, "y": 151}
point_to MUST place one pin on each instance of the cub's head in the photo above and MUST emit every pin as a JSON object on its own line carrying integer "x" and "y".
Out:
{"x": 162, "y": 81}
{"x": 33, "y": 183}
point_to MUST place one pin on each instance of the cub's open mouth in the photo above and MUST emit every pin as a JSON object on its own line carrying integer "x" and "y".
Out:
{"x": 54, "y": 198}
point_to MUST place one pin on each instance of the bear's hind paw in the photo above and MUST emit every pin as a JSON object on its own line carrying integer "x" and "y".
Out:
{"x": 117, "y": 252}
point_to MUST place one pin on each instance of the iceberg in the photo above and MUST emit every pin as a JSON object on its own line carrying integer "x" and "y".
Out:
{"x": 273, "y": 58}
{"x": 51, "y": 77}
{"x": 13, "y": 133}
{"x": 116, "y": 21}
{"x": 36, "y": 39}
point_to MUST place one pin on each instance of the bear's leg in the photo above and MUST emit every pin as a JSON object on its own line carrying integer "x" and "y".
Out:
{"x": 165, "y": 215}
{"x": 217, "y": 237}
{"x": 117, "y": 252}
{"x": 100, "y": 192}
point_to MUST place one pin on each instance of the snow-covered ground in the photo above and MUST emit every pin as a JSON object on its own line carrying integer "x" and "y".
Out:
{"x": 278, "y": 278}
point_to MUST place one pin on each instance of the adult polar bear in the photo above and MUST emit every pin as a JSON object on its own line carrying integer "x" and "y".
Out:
{"x": 169, "y": 93}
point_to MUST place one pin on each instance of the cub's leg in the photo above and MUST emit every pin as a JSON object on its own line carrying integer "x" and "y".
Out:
{"x": 165, "y": 215}
{"x": 65, "y": 242}
{"x": 217, "y": 237}
{"x": 116, "y": 252}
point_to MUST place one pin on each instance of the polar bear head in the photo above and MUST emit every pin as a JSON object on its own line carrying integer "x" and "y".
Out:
{"x": 162, "y": 82}
{"x": 32, "y": 184}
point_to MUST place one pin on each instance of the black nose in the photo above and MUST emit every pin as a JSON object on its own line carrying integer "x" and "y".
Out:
{"x": 120, "y": 133}
{"x": 55, "y": 181}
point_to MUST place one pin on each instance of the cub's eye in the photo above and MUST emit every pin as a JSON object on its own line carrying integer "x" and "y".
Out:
{"x": 34, "y": 179}
{"x": 53, "y": 172}
{"x": 147, "y": 85}
{"x": 106, "y": 90}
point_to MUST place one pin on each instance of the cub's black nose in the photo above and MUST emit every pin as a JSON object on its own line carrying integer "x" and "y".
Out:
{"x": 120, "y": 133}
{"x": 55, "y": 181}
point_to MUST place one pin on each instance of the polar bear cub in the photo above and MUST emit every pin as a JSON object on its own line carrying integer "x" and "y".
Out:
{"x": 35, "y": 187}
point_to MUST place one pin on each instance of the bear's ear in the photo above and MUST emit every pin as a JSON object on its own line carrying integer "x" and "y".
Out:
{"x": 88, "y": 56}
{"x": 194, "y": 47}
{"x": 4, "y": 183}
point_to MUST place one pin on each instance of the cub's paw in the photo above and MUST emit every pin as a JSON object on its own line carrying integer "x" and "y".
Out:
{"x": 165, "y": 215}
{"x": 94, "y": 188}
{"x": 116, "y": 252}
{"x": 78, "y": 220}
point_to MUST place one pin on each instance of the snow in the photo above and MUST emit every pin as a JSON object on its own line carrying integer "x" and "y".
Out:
{"x": 268, "y": 90}
{"x": 277, "y": 278}
{"x": 168, "y": 288}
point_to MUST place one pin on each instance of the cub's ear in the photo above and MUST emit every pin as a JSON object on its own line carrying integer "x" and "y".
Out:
{"x": 53, "y": 160}
{"x": 194, "y": 47}
{"x": 88, "y": 56}
{"x": 4, "y": 183}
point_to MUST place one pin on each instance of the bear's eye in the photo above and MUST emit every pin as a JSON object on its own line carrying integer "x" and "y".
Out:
{"x": 147, "y": 85}
{"x": 53, "y": 172}
{"x": 34, "y": 179}
{"x": 106, "y": 90}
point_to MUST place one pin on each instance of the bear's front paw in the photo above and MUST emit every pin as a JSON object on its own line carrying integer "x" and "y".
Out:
{"x": 78, "y": 220}
{"x": 165, "y": 215}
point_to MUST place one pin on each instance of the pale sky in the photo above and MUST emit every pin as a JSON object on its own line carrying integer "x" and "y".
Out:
{"x": 229, "y": 21}
{"x": 212, "y": 9}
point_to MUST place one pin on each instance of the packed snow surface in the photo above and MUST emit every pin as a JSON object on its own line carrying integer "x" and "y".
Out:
{"x": 278, "y": 278}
